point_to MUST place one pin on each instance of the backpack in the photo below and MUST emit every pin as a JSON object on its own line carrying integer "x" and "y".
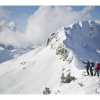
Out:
{"x": 92, "y": 64}
{"x": 97, "y": 66}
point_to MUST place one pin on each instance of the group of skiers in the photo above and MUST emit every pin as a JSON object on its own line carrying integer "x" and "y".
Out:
{"x": 91, "y": 66}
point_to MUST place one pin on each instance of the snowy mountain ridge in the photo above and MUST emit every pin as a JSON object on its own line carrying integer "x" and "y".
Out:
{"x": 63, "y": 53}
{"x": 78, "y": 36}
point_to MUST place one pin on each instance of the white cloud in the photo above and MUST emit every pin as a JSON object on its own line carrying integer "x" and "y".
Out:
{"x": 8, "y": 37}
{"x": 47, "y": 20}
{"x": 42, "y": 24}
{"x": 97, "y": 21}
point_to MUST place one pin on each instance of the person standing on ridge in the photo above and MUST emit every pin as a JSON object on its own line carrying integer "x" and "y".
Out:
{"x": 97, "y": 68}
{"x": 89, "y": 66}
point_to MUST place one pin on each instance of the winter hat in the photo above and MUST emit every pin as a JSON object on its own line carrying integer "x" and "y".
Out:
{"x": 90, "y": 60}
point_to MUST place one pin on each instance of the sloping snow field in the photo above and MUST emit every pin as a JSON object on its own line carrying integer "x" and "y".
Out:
{"x": 42, "y": 67}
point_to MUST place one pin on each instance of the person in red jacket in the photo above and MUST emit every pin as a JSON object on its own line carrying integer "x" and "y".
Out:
{"x": 97, "y": 68}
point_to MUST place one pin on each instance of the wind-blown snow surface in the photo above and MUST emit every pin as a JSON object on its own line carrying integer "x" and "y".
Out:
{"x": 42, "y": 67}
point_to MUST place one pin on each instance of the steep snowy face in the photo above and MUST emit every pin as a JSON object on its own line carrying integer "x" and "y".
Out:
{"x": 82, "y": 38}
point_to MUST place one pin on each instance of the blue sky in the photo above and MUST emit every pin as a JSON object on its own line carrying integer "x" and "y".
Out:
{"x": 20, "y": 14}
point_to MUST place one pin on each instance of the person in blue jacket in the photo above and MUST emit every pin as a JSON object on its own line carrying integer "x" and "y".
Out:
{"x": 89, "y": 67}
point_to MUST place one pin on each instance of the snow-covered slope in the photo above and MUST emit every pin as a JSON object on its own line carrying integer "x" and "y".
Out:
{"x": 42, "y": 67}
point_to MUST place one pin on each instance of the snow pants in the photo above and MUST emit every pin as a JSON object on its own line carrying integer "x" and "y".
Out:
{"x": 96, "y": 72}
{"x": 89, "y": 70}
